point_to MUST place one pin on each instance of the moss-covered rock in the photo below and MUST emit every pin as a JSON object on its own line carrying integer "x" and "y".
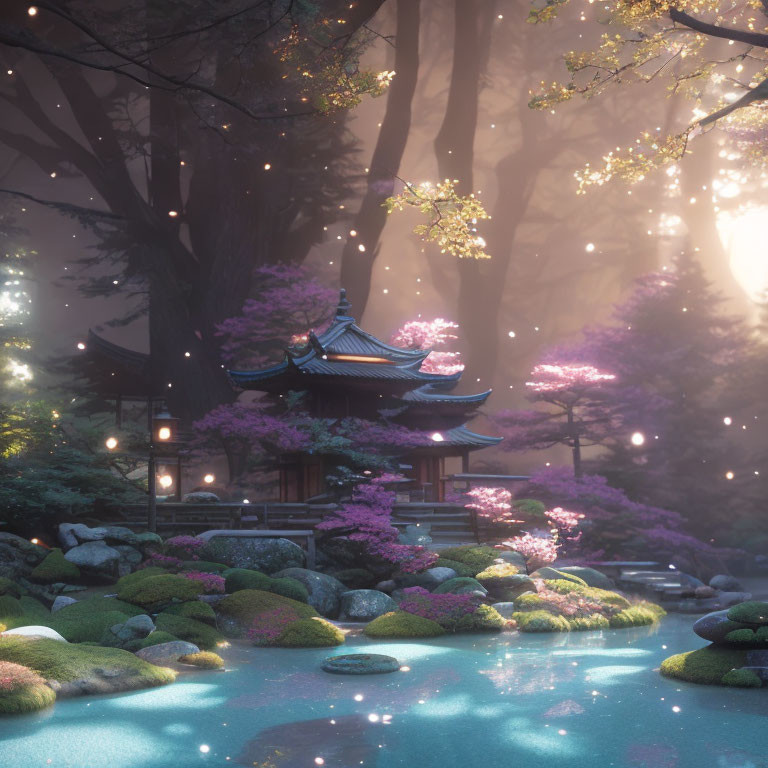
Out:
{"x": 288, "y": 587}
{"x": 10, "y": 607}
{"x": 237, "y": 611}
{"x": 8, "y": 587}
{"x": 74, "y": 670}
{"x": 244, "y": 578}
{"x": 22, "y": 690}
{"x": 402, "y": 624}
{"x": 143, "y": 573}
{"x": 461, "y": 585}
{"x": 742, "y": 678}
{"x": 204, "y": 566}
{"x": 310, "y": 633}
{"x": 194, "y": 609}
{"x": 477, "y": 557}
{"x": 202, "y": 635}
{"x": 540, "y": 621}
{"x": 706, "y": 666}
{"x": 86, "y": 628}
{"x": 462, "y": 569}
{"x": 588, "y": 623}
{"x": 157, "y": 592}
{"x": 634, "y": 616}
{"x": 741, "y": 636}
{"x": 750, "y": 612}
{"x": 55, "y": 567}
{"x": 203, "y": 660}
{"x": 485, "y": 619}
{"x": 153, "y": 638}
{"x": 547, "y": 573}
{"x": 96, "y": 605}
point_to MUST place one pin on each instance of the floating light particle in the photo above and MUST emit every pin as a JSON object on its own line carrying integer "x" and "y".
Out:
{"x": 589, "y": 247}
{"x": 675, "y": 709}
{"x": 187, "y": 354}
{"x": 267, "y": 166}
{"x": 353, "y": 233}
{"x": 361, "y": 248}
{"x": 32, "y": 10}
{"x": 511, "y": 334}
{"x": 205, "y": 749}
{"x": 562, "y": 731}
{"x": 358, "y": 697}
{"x": 111, "y": 443}
{"x": 319, "y": 761}
{"x": 727, "y": 421}
{"x": 729, "y": 475}
{"x": 373, "y": 718}
{"x": 437, "y": 437}
{"x": 80, "y": 345}
{"x": 638, "y": 438}
{"x": 404, "y": 668}
{"x": 166, "y": 481}
{"x": 173, "y": 214}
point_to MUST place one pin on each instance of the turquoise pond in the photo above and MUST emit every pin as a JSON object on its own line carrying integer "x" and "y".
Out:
{"x": 502, "y": 701}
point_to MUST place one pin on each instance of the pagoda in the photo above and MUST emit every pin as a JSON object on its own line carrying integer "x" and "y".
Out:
{"x": 346, "y": 371}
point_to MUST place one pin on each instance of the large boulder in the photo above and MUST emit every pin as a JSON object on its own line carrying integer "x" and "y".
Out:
{"x": 258, "y": 554}
{"x": 135, "y": 628}
{"x": 429, "y": 579}
{"x": 200, "y": 497}
{"x": 513, "y": 558}
{"x": 504, "y": 609}
{"x": 94, "y": 556}
{"x": 592, "y": 577}
{"x": 35, "y": 631}
{"x": 130, "y": 557}
{"x": 166, "y": 653}
{"x": 324, "y": 591}
{"x": 72, "y": 534}
{"x": 715, "y": 626}
{"x": 462, "y": 585}
{"x": 725, "y": 583}
{"x": 365, "y": 605}
{"x": 18, "y": 556}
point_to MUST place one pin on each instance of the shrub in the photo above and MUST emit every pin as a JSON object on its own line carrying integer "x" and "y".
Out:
{"x": 476, "y": 557}
{"x": 158, "y": 560}
{"x": 485, "y": 619}
{"x": 194, "y": 609}
{"x": 288, "y": 587}
{"x": 445, "y": 609}
{"x": 459, "y": 585}
{"x": 244, "y": 578}
{"x": 81, "y": 629}
{"x": 540, "y": 621}
{"x": 462, "y": 569}
{"x": 159, "y": 591}
{"x": 750, "y": 612}
{"x": 634, "y": 616}
{"x": 203, "y": 659}
{"x": 212, "y": 583}
{"x": 95, "y": 605}
{"x": 22, "y": 690}
{"x": 402, "y": 624}
{"x": 202, "y": 635}
{"x": 742, "y": 678}
{"x": 8, "y": 587}
{"x": 761, "y": 635}
{"x": 706, "y": 666}
{"x": 55, "y": 567}
{"x": 310, "y": 633}
{"x": 187, "y": 547}
{"x": 66, "y": 663}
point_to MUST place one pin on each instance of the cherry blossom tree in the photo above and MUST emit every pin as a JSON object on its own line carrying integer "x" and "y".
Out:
{"x": 431, "y": 334}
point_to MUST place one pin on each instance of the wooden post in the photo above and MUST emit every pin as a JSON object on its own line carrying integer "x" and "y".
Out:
{"x": 152, "y": 488}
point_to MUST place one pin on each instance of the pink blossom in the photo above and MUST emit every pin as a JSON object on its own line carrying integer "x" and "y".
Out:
{"x": 492, "y": 503}
{"x": 446, "y": 609}
{"x": 556, "y": 378}
{"x": 269, "y": 625}
{"x": 428, "y": 334}
{"x": 536, "y": 550}
{"x": 212, "y": 583}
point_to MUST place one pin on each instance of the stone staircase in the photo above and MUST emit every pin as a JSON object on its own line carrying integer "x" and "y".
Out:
{"x": 447, "y": 524}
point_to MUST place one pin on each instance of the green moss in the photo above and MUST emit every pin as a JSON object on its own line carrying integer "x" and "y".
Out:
{"x": 478, "y": 558}
{"x": 553, "y": 574}
{"x": 144, "y": 573}
{"x": 204, "y": 660}
{"x": 741, "y": 636}
{"x": 706, "y": 666}
{"x": 246, "y": 604}
{"x": 30, "y": 698}
{"x": 195, "y": 609}
{"x": 288, "y": 587}
{"x": 610, "y": 598}
{"x": 55, "y": 567}
{"x": 153, "y": 638}
{"x": 310, "y": 633}
{"x": 589, "y": 623}
{"x": 761, "y": 636}
{"x": 634, "y": 616}
{"x": 485, "y": 619}
{"x": 65, "y": 663}
{"x": 530, "y": 602}
{"x": 742, "y": 678}
{"x": 204, "y": 566}
{"x": 34, "y": 608}
{"x": 459, "y": 586}
{"x": 10, "y": 607}
{"x": 402, "y": 624}
{"x": 85, "y": 628}
{"x": 8, "y": 587}
{"x": 462, "y": 569}
{"x": 751, "y": 612}
{"x": 497, "y": 571}
{"x": 202, "y": 635}
{"x": 540, "y": 621}
{"x": 156, "y": 592}
{"x": 244, "y": 578}
{"x": 96, "y": 605}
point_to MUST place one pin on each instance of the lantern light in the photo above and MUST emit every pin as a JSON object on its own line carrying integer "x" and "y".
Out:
{"x": 209, "y": 478}
{"x": 166, "y": 481}
{"x": 111, "y": 443}
{"x": 164, "y": 433}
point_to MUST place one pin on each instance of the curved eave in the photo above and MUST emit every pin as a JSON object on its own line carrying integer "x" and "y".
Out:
{"x": 245, "y": 379}
{"x": 425, "y": 395}
{"x": 461, "y": 437}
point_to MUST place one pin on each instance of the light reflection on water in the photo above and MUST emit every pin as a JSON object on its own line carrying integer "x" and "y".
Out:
{"x": 587, "y": 700}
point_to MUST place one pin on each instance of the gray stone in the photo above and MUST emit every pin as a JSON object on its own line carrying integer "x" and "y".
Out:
{"x": 18, "y": 556}
{"x": 505, "y": 609}
{"x": 761, "y": 672}
{"x": 61, "y": 601}
{"x": 506, "y": 588}
{"x": 96, "y": 555}
{"x": 259, "y": 554}
{"x": 72, "y": 534}
{"x": 715, "y": 626}
{"x": 689, "y": 581}
{"x": 386, "y": 586}
{"x": 513, "y": 557}
{"x": 365, "y": 605}
{"x": 429, "y": 579}
{"x": 200, "y": 497}
{"x": 324, "y": 591}
{"x": 35, "y": 631}
{"x": 360, "y": 664}
{"x": 757, "y": 658}
{"x": 141, "y": 623}
{"x": 590, "y": 575}
{"x": 462, "y": 585}
{"x": 166, "y": 653}
{"x": 32, "y": 553}
{"x": 146, "y": 539}
{"x": 725, "y": 583}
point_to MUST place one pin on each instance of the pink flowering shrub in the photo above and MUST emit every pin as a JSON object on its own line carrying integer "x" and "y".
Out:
{"x": 446, "y": 609}
{"x": 537, "y": 550}
{"x": 494, "y": 504}
{"x": 155, "y": 559}
{"x": 269, "y": 625}
{"x": 188, "y": 546}
{"x": 15, "y": 676}
{"x": 212, "y": 583}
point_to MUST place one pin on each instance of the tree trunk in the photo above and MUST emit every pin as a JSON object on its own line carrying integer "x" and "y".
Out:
{"x": 357, "y": 264}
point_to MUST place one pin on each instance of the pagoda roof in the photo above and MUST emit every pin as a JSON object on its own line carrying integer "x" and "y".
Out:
{"x": 432, "y": 395}
{"x": 344, "y": 350}
{"x": 461, "y": 437}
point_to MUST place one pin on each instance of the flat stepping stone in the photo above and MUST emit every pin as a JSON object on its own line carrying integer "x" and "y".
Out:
{"x": 360, "y": 664}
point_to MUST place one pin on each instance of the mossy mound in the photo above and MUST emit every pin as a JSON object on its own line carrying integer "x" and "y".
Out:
{"x": 82, "y": 629}
{"x": 540, "y": 621}
{"x": 497, "y": 571}
{"x": 238, "y": 611}
{"x": 485, "y": 619}
{"x": 355, "y": 578}
{"x": 156, "y": 592}
{"x": 153, "y": 638}
{"x": 705, "y": 666}
{"x": 548, "y": 573}
{"x": 603, "y": 596}
{"x": 477, "y": 557}
{"x": 78, "y": 669}
{"x": 204, "y": 566}
{"x": 750, "y": 612}
{"x": 143, "y": 573}
{"x": 461, "y": 585}
{"x": 462, "y": 569}
{"x": 638, "y": 615}
{"x": 8, "y": 587}
{"x": 202, "y": 635}
{"x": 10, "y": 607}
{"x": 244, "y": 578}
{"x": 742, "y": 678}
{"x": 22, "y": 690}
{"x": 95, "y": 605}
{"x": 203, "y": 660}
{"x": 589, "y": 623}
{"x": 34, "y": 609}
{"x": 53, "y": 568}
{"x": 402, "y": 624}
{"x": 195, "y": 609}
{"x": 310, "y": 633}
{"x": 291, "y": 588}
